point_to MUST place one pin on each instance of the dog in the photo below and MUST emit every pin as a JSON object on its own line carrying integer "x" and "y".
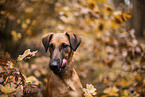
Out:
{"x": 63, "y": 80}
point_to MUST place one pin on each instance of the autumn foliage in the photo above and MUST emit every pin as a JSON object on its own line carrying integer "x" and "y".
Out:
{"x": 110, "y": 60}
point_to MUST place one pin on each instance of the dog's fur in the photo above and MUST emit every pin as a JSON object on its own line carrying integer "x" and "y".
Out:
{"x": 67, "y": 82}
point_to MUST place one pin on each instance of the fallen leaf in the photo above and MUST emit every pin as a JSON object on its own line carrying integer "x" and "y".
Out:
{"x": 26, "y": 55}
{"x": 7, "y": 89}
{"x": 89, "y": 90}
{"x": 111, "y": 91}
{"x": 32, "y": 80}
{"x": 10, "y": 64}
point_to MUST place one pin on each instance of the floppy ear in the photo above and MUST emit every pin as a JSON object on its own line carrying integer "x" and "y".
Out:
{"x": 46, "y": 41}
{"x": 74, "y": 40}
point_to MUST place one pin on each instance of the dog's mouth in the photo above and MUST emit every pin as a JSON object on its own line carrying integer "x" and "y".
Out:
{"x": 64, "y": 62}
{"x": 61, "y": 69}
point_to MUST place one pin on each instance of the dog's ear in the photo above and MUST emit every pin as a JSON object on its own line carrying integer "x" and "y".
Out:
{"x": 46, "y": 41}
{"x": 74, "y": 40}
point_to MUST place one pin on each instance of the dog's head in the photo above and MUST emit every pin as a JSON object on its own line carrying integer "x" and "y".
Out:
{"x": 61, "y": 47}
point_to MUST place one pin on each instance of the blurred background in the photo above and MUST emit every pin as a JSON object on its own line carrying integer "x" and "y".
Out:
{"x": 111, "y": 55}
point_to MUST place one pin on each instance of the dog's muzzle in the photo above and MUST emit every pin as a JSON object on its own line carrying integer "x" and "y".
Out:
{"x": 57, "y": 65}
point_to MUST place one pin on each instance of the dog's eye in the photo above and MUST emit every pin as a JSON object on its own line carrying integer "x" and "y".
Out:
{"x": 51, "y": 46}
{"x": 64, "y": 46}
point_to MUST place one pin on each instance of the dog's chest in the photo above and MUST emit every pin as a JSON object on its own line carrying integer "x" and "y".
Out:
{"x": 65, "y": 87}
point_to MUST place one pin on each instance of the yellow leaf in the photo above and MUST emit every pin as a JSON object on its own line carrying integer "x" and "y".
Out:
{"x": 125, "y": 93}
{"x": 115, "y": 23}
{"x": 7, "y": 89}
{"x": 32, "y": 80}
{"x": 94, "y": 2}
{"x": 16, "y": 35}
{"x": 10, "y": 64}
{"x": 111, "y": 91}
{"x": 29, "y": 32}
{"x": 28, "y": 21}
{"x": 120, "y": 17}
{"x": 126, "y": 15}
{"x": 29, "y": 9}
{"x": 18, "y": 21}
{"x": 87, "y": 94}
{"x": 89, "y": 91}
{"x": 26, "y": 55}
{"x": 24, "y": 25}
{"x": 126, "y": 83}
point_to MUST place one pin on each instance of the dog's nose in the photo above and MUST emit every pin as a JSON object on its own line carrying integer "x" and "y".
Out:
{"x": 55, "y": 64}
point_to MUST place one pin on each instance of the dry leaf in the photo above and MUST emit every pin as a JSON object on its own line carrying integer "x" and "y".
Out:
{"x": 89, "y": 90}
{"x": 10, "y": 64}
{"x": 32, "y": 80}
{"x": 111, "y": 91}
{"x": 26, "y": 55}
{"x": 7, "y": 89}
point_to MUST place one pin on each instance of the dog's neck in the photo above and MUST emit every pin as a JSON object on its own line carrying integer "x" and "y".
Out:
{"x": 67, "y": 72}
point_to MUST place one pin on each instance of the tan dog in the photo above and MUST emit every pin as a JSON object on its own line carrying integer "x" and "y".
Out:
{"x": 63, "y": 81}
